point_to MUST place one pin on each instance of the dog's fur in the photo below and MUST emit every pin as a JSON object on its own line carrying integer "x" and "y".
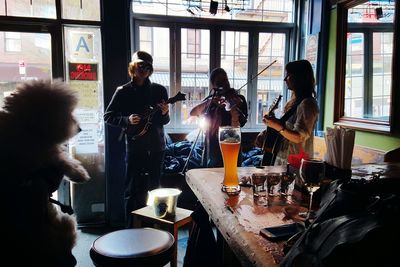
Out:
{"x": 35, "y": 122}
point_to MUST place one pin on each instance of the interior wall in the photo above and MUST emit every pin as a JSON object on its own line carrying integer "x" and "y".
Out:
{"x": 367, "y": 139}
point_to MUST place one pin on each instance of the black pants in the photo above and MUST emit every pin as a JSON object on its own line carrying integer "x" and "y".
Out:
{"x": 142, "y": 173}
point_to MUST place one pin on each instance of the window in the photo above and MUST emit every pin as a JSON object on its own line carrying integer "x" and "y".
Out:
{"x": 365, "y": 59}
{"x": 368, "y": 72}
{"x": 188, "y": 72}
{"x": 243, "y": 49}
{"x": 279, "y": 11}
{"x": 270, "y": 81}
{"x": 193, "y": 43}
{"x": 12, "y": 42}
{"x": 29, "y": 8}
{"x": 195, "y": 65}
{"x": 35, "y": 45}
{"x": 146, "y": 39}
{"x": 81, "y": 9}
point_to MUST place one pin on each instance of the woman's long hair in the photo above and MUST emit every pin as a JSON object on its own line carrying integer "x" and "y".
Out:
{"x": 302, "y": 77}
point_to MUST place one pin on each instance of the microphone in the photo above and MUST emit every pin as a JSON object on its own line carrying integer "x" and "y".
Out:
{"x": 215, "y": 93}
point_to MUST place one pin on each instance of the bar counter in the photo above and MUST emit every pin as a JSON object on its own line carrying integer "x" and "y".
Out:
{"x": 238, "y": 220}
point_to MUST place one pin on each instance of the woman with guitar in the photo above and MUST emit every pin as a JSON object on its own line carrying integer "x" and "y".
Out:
{"x": 129, "y": 110}
{"x": 224, "y": 106}
{"x": 293, "y": 132}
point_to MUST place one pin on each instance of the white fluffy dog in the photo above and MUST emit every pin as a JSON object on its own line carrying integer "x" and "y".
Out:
{"x": 35, "y": 122}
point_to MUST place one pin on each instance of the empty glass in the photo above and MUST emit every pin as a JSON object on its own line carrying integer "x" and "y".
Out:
{"x": 259, "y": 182}
{"x": 273, "y": 183}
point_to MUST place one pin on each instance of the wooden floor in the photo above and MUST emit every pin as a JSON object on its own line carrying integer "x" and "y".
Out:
{"x": 86, "y": 236}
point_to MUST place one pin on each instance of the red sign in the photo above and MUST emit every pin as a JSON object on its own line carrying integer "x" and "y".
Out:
{"x": 82, "y": 71}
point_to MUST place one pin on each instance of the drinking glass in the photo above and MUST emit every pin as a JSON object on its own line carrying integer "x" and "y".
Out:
{"x": 312, "y": 172}
{"x": 287, "y": 184}
{"x": 259, "y": 182}
{"x": 229, "y": 142}
{"x": 273, "y": 180}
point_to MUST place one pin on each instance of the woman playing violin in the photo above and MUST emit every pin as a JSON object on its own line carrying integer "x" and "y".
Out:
{"x": 144, "y": 154}
{"x": 223, "y": 107}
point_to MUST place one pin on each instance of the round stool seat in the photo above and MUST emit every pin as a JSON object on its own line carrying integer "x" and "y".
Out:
{"x": 133, "y": 247}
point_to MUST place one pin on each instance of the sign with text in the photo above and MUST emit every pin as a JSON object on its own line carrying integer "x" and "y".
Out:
{"x": 86, "y": 141}
{"x": 81, "y": 45}
{"x": 87, "y": 93}
{"x": 82, "y": 71}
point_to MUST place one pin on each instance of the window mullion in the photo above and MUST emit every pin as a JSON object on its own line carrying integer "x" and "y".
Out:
{"x": 368, "y": 74}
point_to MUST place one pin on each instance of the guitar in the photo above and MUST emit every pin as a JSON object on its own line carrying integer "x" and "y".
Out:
{"x": 272, "y": 139}
{"x": 137, "y": 130}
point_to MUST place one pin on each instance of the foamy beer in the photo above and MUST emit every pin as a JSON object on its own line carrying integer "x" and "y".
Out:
{"x": 229, "y": 142}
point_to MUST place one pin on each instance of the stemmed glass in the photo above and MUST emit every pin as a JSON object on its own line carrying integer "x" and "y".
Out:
{"x": 312, "y": 172}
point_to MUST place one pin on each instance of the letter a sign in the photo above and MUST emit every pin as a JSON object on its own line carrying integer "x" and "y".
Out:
{"x": 81, "y": 45}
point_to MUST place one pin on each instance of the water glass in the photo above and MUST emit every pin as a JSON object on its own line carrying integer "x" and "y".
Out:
{"x": 259, "y": 183}
{"x": 287, "y": 184}
{"x": 273, "y": 183}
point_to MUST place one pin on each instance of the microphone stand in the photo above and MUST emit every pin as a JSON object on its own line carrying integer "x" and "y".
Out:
{"x": 214, "y": 94}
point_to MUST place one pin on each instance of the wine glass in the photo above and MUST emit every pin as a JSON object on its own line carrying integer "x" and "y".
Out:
{"x": 312, "y": 172}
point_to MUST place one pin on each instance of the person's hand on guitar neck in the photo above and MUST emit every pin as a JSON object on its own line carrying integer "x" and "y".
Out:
{"x": 163, "y": 106}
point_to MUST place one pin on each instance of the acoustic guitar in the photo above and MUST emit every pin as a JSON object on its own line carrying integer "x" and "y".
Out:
{"x": 138, "y": 130}
{"x": 272, "y": 139}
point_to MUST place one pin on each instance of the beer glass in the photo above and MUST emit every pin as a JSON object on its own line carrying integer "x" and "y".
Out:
{"x": 229, "y": 143}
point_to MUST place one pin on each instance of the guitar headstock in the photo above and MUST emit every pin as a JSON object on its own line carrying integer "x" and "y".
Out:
{"x": 178, "y": 97}
{"x": 274, "y": 105}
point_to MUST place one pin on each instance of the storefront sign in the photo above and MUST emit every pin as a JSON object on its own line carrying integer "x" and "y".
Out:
{"x": 82, "y": 71}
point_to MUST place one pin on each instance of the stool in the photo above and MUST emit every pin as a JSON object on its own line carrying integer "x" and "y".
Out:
{"x": 146, "y": 215}
{"x": 133, "y": 247}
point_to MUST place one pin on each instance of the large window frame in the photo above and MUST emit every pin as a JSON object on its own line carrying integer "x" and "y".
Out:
{"x": 55, "y": 28}
{"x": 388, "y": 127}
{"x": 175, "y": 24}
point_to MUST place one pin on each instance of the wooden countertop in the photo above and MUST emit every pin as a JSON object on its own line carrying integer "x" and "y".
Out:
{"x": 240, "y": 224}
{"x": 239, "y": 221}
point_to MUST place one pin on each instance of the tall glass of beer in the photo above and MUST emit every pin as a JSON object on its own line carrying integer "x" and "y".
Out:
{"x": 229, "y": 143}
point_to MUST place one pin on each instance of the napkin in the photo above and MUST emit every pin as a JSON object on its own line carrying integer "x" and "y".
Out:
{"x": 339, "y": 146}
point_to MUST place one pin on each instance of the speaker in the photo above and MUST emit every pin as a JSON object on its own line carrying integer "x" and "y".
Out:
{"x": 378, "y": 12}
{"x": 213, "y": 7}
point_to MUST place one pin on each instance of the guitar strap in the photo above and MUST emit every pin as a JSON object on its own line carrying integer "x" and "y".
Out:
{"x": 289, "y": 113}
